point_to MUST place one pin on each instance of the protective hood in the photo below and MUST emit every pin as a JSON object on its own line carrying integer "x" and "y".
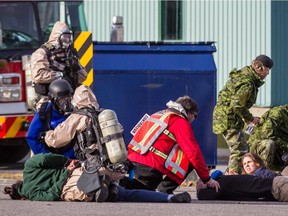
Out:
{"x": 177, "y": 106}
{"x": 58, "y": 29}
{"x": 84, "y": 97}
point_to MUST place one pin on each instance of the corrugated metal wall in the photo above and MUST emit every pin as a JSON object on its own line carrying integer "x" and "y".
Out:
{"x": 140, "y": 18}
{"x": 279, "y": 32}
{"x": 241, "y": 29}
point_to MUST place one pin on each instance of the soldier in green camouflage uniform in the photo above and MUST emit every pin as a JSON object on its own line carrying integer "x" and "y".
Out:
{"x": 270, "y": 138}
{"x": 232, "y": 108}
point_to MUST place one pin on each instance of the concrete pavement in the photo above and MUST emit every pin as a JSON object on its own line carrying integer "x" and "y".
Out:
{"x": 10, "y": 207}
{"x": 14, "y": 171}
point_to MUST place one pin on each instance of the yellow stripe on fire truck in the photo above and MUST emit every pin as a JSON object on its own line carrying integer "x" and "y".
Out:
{"x": 84, "y": 46}
{"x": 14, "y": 126}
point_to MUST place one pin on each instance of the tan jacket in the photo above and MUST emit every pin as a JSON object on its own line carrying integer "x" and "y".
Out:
{"x": 41, "y": 72}
{"x": 66, "y": 131}
{"x": 70, "y": 191}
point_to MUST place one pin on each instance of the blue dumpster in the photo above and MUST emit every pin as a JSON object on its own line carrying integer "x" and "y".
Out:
{"x": 141, "y": 77}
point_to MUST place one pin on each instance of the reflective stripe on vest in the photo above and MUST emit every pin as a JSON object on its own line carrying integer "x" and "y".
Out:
{"x": 176, "y": 157}
{"x": 137, "y": 146}
{"x": 157, "y": 152}
{"x": 147, "y": 138}
{"x": 174, "y": 167}
{"x": 169, "y": 134}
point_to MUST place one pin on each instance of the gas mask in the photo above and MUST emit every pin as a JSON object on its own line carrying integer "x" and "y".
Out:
{"x": 64, "y": 104}
{"x": 65, "y": 40}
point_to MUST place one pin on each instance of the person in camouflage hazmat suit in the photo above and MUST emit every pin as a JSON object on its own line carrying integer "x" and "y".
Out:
{"x": 232, "y": 108}
{"x": 56, "y": 59}
{"x": 270, "y": 138}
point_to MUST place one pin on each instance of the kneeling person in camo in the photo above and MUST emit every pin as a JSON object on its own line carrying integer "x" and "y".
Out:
{"x": 270, "y": 138}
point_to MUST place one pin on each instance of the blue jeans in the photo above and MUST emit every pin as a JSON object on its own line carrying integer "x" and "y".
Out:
{"x": 139, "y": 195}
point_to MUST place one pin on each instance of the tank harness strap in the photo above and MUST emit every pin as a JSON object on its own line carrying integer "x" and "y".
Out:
{"x": 45, "y": 112}
{"x": 111, "y": 137}
{"x": 80, "y": 136}
{"x": 45, "y": 115}
{"x": 82, "y": 140}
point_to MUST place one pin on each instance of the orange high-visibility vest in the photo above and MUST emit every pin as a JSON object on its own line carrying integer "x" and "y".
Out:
{"x": 175, "y": 160}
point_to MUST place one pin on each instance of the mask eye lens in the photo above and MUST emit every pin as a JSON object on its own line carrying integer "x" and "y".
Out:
{"x": 66, "y": 39}
{"x": 64, "y": 99}
{"x": 64, "y": 103}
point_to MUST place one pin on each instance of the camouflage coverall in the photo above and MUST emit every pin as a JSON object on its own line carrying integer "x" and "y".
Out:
{"x": 270, "y": 138}
{"x": 234, "y": 101}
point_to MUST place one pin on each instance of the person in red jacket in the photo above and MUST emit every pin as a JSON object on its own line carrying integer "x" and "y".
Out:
{"x": 164, "y": 149}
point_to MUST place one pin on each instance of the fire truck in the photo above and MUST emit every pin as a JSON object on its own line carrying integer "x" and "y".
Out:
{"x": 24, "y": 27}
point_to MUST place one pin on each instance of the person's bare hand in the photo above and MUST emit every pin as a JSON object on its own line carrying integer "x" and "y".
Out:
{"x": 213, "y": 184}
{"x": 200, "y": 185}
{"x": 231, "y": 172}
{"x": 256, "y": 120}
{"x": 73, "y": 165}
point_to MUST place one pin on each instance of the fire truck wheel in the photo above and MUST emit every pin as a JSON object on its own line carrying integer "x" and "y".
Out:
{"x": 16, "y": 150}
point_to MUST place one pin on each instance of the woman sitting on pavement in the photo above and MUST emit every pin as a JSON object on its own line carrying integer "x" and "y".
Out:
{"x": 52, "y": 177}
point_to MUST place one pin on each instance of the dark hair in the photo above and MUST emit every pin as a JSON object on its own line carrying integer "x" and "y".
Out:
{"x": 265, "y": 60}
{"x": 188, "y": 104}
{"x": 255, "y": 158}
{"x": 13, "y": 191}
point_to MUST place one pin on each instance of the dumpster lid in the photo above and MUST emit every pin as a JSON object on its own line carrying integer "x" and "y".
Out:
{"x": 159, "y": 43}
{"x": 201, "y": 46}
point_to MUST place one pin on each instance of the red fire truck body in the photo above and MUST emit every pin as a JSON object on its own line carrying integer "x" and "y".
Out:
{"x": 24, "y": 27}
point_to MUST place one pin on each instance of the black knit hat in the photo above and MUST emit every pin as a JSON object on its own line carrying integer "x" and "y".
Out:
{"x": 267, "y": 62}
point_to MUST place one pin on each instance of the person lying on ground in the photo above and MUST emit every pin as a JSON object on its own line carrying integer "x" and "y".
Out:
{"x": 237, "y": 187}
{"x": 252, "y": 164}
{"x": 257, "y": 183}
{"x": 51, "y": 177}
